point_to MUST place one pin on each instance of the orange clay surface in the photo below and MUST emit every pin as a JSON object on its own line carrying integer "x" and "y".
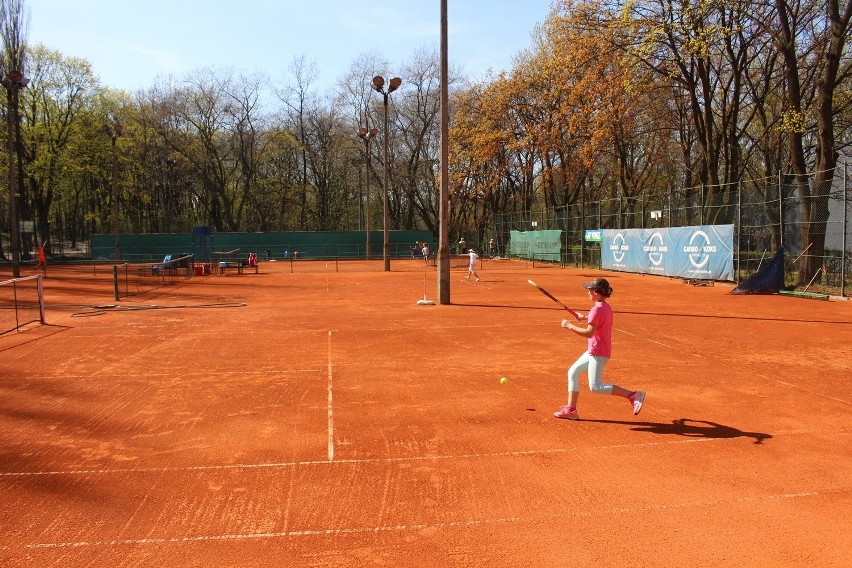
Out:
{"x": 318, "y": 416}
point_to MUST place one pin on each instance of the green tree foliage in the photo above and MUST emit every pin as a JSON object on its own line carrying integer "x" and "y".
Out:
{"x": 622, "y": 101}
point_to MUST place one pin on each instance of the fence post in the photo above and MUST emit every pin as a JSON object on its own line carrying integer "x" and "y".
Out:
{"x": 781, "y": 211}
{"x": 583, "y": 229}
{"x": 669, "y": 212}
{"x": 845, "y": 229}
{"x": 738, "y": 230}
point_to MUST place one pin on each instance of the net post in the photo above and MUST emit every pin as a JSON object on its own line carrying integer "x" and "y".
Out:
{"x": 40, "y": 288}
{"x": 115, "y": 280}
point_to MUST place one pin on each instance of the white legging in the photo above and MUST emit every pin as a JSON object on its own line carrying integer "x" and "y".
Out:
{"x": 594, "y": 366}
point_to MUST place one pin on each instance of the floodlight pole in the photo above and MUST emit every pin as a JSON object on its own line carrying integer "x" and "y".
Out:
{"x": 367, "y": 135}
{"x": 114, "y": 132}
{"x": 14, "y": 81}
{"x": 444, "y": 213}
{"x": 378, "y": 85}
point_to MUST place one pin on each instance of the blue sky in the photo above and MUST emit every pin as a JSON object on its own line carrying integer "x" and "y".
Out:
{"x": 132, "y": 42}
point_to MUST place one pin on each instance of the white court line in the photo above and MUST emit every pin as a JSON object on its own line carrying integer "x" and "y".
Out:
{"x": 772, "y": 379}
{"x": 792, "y": 386}
{"x": 423, "y": 526}
{"x": 186, "y": 373}
{"x": 383, "y": 459}
{"x": 391, "y": 459}
{"x": 330, "y": 405}
{"x": 653, "y": 341}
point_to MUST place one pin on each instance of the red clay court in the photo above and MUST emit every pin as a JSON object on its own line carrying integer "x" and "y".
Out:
{"x": 321, "y": 417}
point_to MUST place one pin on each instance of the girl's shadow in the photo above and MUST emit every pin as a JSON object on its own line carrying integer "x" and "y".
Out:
{"x": 691, "y": 429}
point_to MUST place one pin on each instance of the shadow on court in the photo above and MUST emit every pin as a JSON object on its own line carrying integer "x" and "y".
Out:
{"x": 690, "y": 429}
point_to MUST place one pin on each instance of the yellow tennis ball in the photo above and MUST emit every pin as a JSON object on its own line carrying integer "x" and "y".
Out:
{"x": 503, "y": 380}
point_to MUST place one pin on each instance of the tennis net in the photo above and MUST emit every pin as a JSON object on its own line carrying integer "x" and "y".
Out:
{"x": 137, "y": 278}
{"x": 21, "y": 302}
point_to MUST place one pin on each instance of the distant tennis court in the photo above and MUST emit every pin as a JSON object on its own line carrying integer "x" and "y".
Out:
{"x": 316, "y": 415}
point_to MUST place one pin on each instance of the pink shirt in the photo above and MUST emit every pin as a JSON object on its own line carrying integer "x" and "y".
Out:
{"x": 600, "y": 316}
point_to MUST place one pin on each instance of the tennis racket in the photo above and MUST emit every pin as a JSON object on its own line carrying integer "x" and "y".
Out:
{"x": 552, "y": 297}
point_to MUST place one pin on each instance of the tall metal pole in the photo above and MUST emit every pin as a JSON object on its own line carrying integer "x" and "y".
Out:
{"x": 114, "y": 132}
{"x": 367, "y": 135}
{"x": 13, "y": 82}
{"x": 444, "y": 225}
{"x": 14, "y": 243}
{"x": 378, "y": 85}
{"x": 386, "y": 241}
{"x": 117, "y": 252}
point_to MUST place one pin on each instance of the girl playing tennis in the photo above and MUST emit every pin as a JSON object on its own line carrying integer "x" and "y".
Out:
{"x": 598, "y": 330}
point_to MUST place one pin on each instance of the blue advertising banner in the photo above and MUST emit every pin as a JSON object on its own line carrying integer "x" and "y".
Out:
{"x": 703, "y": 252}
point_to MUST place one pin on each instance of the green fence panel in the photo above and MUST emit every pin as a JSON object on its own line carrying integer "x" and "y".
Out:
{"x": 321, "y": 244}
{"x": 537, "y": 245}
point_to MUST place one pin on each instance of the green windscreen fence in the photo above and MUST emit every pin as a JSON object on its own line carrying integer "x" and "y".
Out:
{"x": 537, "y": 245}
{"x": 278, "y": 245}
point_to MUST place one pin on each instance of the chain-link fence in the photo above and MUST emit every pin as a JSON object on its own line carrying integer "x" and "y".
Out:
{"x": 812, "y": 220}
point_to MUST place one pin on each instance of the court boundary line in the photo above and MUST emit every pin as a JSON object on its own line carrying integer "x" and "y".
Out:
{"x": 330, "y": 404}
{"x": 423, "y": 526}
{"x": 393, "y": 459}
{"x": 756, "y": 374}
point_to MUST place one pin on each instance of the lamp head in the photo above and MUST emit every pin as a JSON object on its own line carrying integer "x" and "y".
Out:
{"x": 15, "y": 79}
{"x": 362, "y": 132}
{"x": 394, "y": 84}
{"x": 378, "y": 83}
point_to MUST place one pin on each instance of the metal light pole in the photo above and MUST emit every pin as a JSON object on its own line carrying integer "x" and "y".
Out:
{"x": 114, "y": 132}
{"x": 378, "y": 85}
{"x": 367, "y": 135}
{"x": 444, "y": 210}
{"x": 13, "y": 82}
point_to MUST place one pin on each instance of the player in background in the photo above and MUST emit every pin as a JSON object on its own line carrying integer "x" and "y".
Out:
{"x": 42, "y": 259}
{"x": 598, "y": 330}
{"x": 471, "y": 268}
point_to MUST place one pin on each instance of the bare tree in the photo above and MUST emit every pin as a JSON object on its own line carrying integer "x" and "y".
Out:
{"x": 815, "y": 33}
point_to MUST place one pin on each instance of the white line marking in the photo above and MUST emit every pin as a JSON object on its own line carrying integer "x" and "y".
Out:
{"x": 657, "y": 342}
{"x": 384, "y": 459}
{"x": 330, "y": 405}
{"x": 423, "y": 526}
{"x": 792, "y": 386}
{"x": 780, "y": 382}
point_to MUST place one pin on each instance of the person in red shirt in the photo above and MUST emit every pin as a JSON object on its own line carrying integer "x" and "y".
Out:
{"x": 598, "y": 330}
{"x": 42, "y": 259}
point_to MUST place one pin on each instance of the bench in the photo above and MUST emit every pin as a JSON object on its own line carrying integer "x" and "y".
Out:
{"x": 239, "y": 265}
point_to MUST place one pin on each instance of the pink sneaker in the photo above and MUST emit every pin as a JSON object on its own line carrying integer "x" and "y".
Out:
{"x": 567, "y": 413}
{"x": 637, "y": 399}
